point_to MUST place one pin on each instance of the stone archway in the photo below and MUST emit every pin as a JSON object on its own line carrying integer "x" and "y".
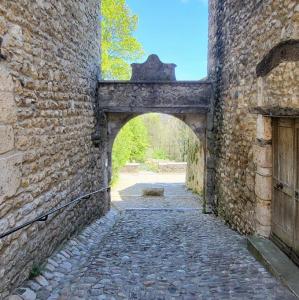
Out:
{"x": 153, "y": 88}
{"x": 196, "y": 122}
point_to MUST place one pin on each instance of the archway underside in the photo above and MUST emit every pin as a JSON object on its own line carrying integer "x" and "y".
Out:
{"x": 120, "y": 101}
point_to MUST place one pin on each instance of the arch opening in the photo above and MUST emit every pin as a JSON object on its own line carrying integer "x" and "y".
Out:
{"x": 157, "y": 151}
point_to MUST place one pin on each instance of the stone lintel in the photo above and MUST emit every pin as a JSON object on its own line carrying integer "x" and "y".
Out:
{"x": 161, "y": 109}
{"x": 275, "y": 111}
{"x": 161, "y": 82}
{"x": 139, "y": 97}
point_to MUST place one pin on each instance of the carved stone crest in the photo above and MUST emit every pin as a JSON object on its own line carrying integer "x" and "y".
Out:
{"x": 153, "y": 70}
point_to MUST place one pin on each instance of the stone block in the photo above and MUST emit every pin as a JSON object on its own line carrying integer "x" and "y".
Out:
{"x": 14, "y": 297}
{"x": 263, "y": 186}
{"x": 6, "y": 139}
{"x": 7, "y": 108}
{"x": 250, "y": 182}
{"x": 6, "y": 82}
{"x": 263, "y": 128}
{"x": 27, "y": 294}
{"x": 10, "y": 175}
{"x": 263, "y": 156}
{"x": 263, "y": 212}
{"x": 260, "y": 91}
{"x": 155, "y": 192}
{"x": 264, "y": 171}
{"x": 263, "y": 230}
{"x": 14, "y": 37}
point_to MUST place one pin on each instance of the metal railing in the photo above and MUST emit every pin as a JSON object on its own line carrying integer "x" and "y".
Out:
{"x": 44, "y": 216}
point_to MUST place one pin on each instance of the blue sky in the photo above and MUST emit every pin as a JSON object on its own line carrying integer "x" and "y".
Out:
{"x": 176, "y": 30}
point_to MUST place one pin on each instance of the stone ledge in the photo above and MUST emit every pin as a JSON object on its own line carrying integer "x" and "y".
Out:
{"x": 275, "y": 111}
{"x": 178, "y": 82}
{"x": 194, "y": 109}
{"x": 275, "y": 261}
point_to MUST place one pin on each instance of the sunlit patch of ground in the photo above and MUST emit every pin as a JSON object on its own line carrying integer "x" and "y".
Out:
{"x": 127, "y": 193}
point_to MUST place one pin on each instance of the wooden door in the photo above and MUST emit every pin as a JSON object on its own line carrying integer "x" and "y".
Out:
{"x": 285, "y": 208}
{"x": 296, "y": 164}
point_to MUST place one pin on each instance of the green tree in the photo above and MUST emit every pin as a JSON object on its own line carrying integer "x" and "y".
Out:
{"x": 119, "y": 46}
{"x": 121, "y": 150}
{"x": 130, "y": 144}
{"x": 139, "y": 141}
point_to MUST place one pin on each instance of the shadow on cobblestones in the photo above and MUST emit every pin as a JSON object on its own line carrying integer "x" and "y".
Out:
{"x": 171, "y": 251}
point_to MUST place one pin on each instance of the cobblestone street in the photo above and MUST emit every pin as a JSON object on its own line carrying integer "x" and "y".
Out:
{"x": 169, "y": 250}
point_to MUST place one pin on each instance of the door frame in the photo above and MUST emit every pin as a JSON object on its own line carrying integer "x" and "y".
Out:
{"x": 264, "y": 159}
{"x": 290, "y": 191}
{"x": 282, "y": 245}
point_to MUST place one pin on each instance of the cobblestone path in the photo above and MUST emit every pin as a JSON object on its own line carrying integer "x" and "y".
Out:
{"x": 168, "y": 252}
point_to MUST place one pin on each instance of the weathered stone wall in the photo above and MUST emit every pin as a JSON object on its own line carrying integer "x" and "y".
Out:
{"x": 243, "y": 32}
{"x": 49, "y": 65}
{"x": 195, "y": 167}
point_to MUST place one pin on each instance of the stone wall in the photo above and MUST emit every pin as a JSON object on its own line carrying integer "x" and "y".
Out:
{"x": 241, "y": 34}
{"x": 49, "y": 65}
{"x": 195, "y": 167}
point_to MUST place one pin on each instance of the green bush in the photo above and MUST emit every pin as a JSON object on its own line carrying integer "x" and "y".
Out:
{"x": 160, "y": 154}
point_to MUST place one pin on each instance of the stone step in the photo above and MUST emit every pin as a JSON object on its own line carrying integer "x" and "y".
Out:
{"x": 275, "y": 261}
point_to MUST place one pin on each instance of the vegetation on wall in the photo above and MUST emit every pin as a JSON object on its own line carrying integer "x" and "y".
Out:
{"x": 119, "y": 46}
{"x": 195, "y": 169}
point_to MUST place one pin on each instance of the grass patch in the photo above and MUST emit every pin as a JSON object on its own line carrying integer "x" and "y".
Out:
{"x": 151, "y": 166}
{"x": 35, "y": 271}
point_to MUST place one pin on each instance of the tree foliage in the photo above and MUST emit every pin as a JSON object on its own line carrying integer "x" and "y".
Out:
{"x": 169, "y": 137}
{"x": 152, "y": 136}
{"x": 130, "y": 144}
{"x": 119, "y": 46}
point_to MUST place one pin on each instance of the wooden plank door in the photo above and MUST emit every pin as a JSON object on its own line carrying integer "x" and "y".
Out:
{"x": 296, "y": 165}
{"x": 283, "y": 208}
